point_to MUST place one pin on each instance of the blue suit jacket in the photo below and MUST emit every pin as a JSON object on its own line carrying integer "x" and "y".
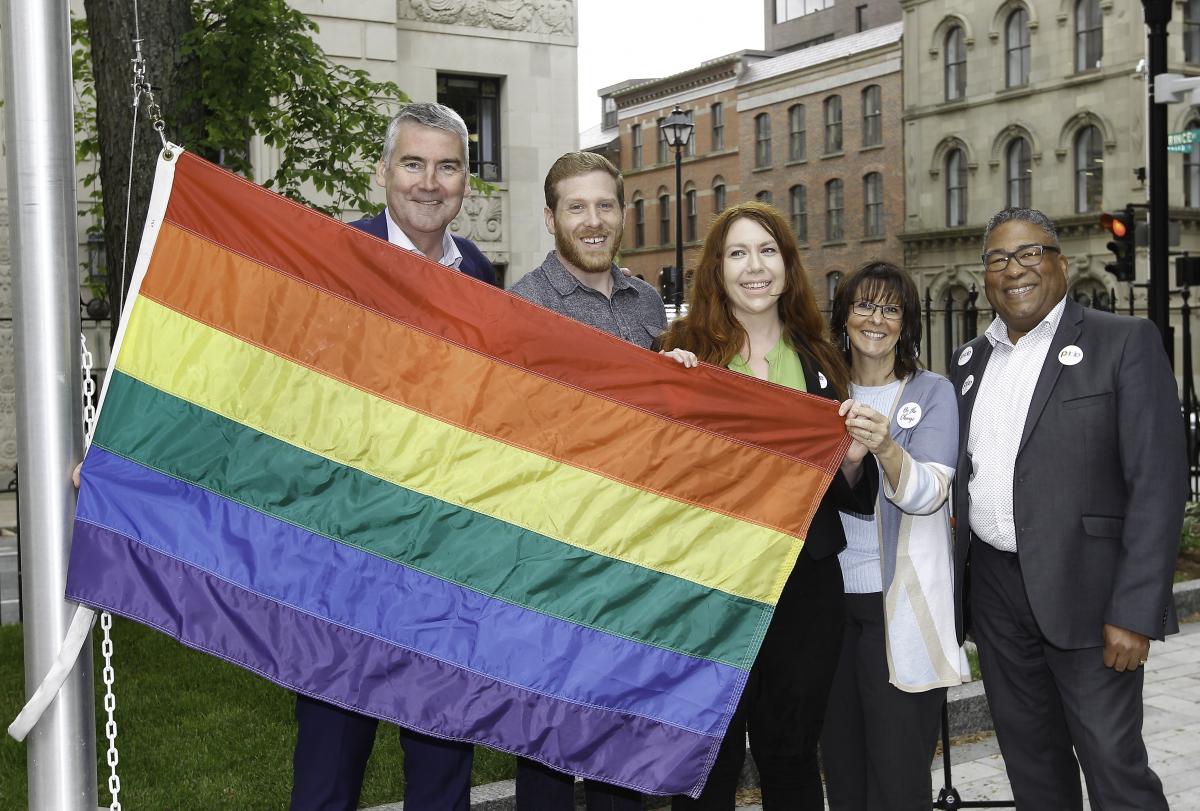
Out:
{"x": 474, "y": 263}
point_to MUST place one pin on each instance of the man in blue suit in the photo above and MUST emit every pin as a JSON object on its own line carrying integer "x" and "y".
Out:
{"x": 424, "y": 172}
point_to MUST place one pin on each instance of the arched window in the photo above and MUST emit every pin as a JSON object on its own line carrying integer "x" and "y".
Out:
{"x": 833, "y": 124}
{"x": 872, "y": 111}
{"x": 799, "y": 205}
{"x": 1091, "y": 293}
{"x": 956, "y": 316}
{"x": 873, "y": 205}
{"x": 1191, "y": 173}
{"x": 763, "y": 196}
{"x": 956, "y": 188}
{"x": 639, "y": 220}
{"x": 762, "y": 141}
{"x": 664, "y": 217}
{"x": 718, "y": 194}
{"x": 1191, "y": 32}
{"x": 1089, "y": 170}
{"x": 1018, "y": 169}
{"x": 833, "y": 211}
{"x": 956, "y": 63}
{"x": 690, "y": 214}
{"x": 1089, "y": 35}
{"x": 796, "y": 132}
{"x": 1016, "y": 48}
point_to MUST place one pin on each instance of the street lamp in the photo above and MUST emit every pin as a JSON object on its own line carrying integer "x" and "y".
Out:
{"x": 677, "y": 130}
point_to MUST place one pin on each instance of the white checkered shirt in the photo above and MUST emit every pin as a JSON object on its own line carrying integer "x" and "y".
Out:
{"x": 997, "y": 422}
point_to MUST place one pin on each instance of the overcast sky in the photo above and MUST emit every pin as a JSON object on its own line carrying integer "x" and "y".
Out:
{"x": 637, "y": 39}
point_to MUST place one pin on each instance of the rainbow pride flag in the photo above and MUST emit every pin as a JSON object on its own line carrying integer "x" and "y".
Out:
{"x": 400, "y": 490}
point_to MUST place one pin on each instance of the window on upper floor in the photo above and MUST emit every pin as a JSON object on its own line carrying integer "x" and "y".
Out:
{"x": 796, "y": 145}
{"x": 799, "y": 212}
{"x": 718, "y": 194}
{"x": 833, "y": 211}
{"x": 1018, "y": 170}
{"x": 956, "y": 188}
{"x": 691, "y": 215}
{"x": 1016, "y": 48}
{"x": 717, "y": 112}
{"x": 1089, "y": 170}
{"x": 1089, "y": 35}
{"x": 639, "y": 221}
{"x": 832, "y": 280}
{"x": 955, "y": 55}
{"x": 762, "y": 141}
{"x": 764, "y": 196}
{"x": 610, "y": 113}
{"x": 477, "y": 100}
{"x": 664, "y": 217}
{"x": 791, "y": 9}
{"x": 833, "y": 125}
{"x": 873, "y": 205}
{"x": 872, "y": 110}
{"x": 1191, "y": 172}
{"x": 660, "y": 156}
{"x": 689, "y": 151}
{"x": 635, "y": 146}
{"x": 860, "y": 19}
{"x": 1191, "y": 32}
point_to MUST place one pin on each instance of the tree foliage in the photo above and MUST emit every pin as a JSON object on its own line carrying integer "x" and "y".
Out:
{"x": 223, "y": 72}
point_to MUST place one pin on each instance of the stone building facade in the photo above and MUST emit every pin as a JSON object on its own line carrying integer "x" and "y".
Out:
{"x": 1039, "y": 103}
{"x": 795, "y": 24}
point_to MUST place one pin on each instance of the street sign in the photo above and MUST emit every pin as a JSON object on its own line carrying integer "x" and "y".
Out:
{"x": 1182, "y": 141}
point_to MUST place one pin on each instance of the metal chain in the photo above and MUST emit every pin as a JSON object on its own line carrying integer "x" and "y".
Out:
{"x": 110, "y": 706}
{"x": 106, "y": 645}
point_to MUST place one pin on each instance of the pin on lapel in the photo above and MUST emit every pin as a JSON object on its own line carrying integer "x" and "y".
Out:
{"x": 821, "y": 379}
{"x": 965, "y": 355}
{"x": 908, "y": 415}
{"x": 967, "y": 384}
{"x": 1070, "y": 355}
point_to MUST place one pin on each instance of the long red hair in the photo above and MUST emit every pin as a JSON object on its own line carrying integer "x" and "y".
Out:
{"x": 716, "y": 336}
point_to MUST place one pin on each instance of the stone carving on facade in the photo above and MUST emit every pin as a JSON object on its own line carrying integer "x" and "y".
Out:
{"x": 480, "y": 220}
{"x": 528, "y": 16}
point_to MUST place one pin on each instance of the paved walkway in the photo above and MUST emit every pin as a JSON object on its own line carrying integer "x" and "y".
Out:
{"x": 1172, "y": 732}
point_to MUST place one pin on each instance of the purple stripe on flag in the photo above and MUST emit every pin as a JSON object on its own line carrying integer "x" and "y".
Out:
{"x": 351, "y": 669}
{"x": 401, "y": 605}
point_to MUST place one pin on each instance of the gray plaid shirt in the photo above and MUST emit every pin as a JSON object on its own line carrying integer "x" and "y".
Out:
{"x": 635, "y": 311}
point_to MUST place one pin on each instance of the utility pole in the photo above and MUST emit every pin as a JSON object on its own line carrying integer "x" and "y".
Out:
{"x": 1158, "y": 15}
{"x": 61, "y": 753}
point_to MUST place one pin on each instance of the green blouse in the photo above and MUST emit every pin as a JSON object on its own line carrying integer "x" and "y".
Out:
{"x": 783, "y": 366}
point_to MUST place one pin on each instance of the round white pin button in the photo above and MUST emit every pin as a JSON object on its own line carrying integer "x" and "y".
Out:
{"x": 821, "y": 379}
{"x": 965, "y": 356}
{"x": 908, "y": 415}
{"x": 967, "y": 384}
{"x": 1070, "y": 355}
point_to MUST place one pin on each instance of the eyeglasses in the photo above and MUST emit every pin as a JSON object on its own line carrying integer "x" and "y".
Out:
{"x": 892, "y": 312}
{"x": 1027, "y": 256}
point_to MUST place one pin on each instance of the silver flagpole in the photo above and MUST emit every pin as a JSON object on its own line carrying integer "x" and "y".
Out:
{"x": 42, "y": 232}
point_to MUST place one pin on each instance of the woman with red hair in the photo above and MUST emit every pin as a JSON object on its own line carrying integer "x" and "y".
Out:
{"x": 751, "y": 309}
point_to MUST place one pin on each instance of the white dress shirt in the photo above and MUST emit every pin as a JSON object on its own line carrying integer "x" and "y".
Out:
{"x": 451, "y": 256}
{"x": 997, "y": 422}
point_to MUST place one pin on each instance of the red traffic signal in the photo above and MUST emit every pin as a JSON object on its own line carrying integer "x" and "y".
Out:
{"x": 1116, "y": 223}
{"x": 1123, "y": 244}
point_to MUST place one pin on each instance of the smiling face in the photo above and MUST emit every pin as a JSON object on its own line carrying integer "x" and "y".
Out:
{"x": 587, "y": 222}
{"x": 1023, "y": 296}
{"x": 873, "y": 336}
{"x": 752, "y": 267}
{"x": 425, "y": 179}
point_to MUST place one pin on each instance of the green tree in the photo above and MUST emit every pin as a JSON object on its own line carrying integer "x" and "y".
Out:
{"x": 222, "y": 72}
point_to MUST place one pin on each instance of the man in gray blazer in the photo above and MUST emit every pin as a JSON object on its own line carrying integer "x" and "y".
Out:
{"x": 1069, "y": 499}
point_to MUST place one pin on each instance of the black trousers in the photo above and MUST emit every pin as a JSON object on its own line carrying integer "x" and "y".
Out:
{"x": 878, "y": 740}
{"x": 783, "y": 705}
{"x": 1052, "y": 706}
{"x": 332, "y": 747}
{"x": 540, "y": 788}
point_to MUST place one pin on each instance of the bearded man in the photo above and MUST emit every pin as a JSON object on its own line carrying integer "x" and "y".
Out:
{"x": 585, "y": 211}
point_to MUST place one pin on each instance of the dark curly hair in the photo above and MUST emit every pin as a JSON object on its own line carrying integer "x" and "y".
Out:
{"x": 881, "y": 281}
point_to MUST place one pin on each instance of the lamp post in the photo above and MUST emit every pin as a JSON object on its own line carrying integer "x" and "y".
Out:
{"x": 677, "y": 129}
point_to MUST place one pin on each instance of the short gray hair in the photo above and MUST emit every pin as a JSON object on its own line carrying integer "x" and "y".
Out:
{"x": 426, "y": 114}
{"x": 1029, "y": 215}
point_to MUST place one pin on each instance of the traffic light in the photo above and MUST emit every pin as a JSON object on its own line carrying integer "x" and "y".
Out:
{"x": 1123, "y": 244}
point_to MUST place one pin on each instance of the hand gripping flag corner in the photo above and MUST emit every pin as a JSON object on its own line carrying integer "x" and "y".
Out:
{"x": 400, "y": 490}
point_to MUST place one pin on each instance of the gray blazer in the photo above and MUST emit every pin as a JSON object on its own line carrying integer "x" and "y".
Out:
{"x": 1100, "y": 481}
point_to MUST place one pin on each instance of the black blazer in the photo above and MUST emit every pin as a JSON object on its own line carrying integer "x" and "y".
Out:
{"x": 474, "y": 263}
{"x": 1100, "y": 480}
